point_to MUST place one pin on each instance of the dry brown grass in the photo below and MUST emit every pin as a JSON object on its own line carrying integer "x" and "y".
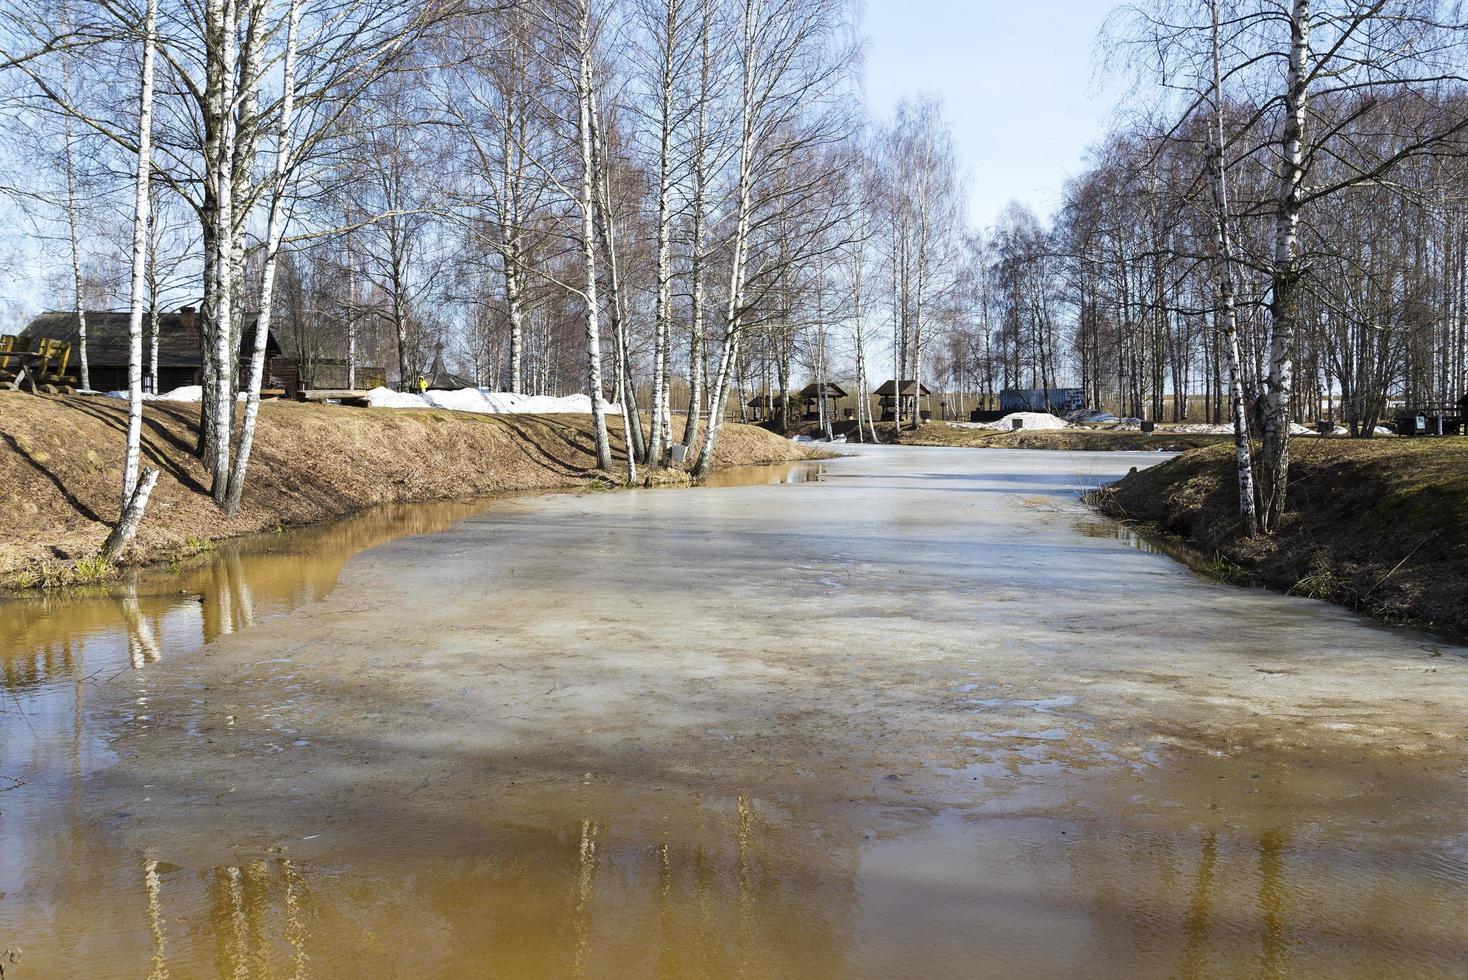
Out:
{"x": 61, "y": 467}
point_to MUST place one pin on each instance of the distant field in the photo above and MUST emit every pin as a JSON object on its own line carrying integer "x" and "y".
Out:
{"x": 1090, "y": 440}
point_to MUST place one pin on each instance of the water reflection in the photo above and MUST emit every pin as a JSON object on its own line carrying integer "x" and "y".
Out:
{"x": 1049, "y": 842}
{"x": 764, "y": 476}
{"x": 750, "y": 888}
{"x": 178, "y": 609}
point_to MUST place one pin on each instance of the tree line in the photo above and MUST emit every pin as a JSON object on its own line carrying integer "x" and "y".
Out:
{"x": 675, "y": 205}
{"x": 1272, "y": 235}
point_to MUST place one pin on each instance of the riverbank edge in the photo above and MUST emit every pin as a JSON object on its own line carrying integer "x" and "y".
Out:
{"x": 948, "y": 435}
{"x": 312, "y": 464}
{"x": 1376, "y": 527}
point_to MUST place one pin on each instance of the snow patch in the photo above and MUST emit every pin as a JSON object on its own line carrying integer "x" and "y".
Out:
{"x": 188, "y": 393}
{"x": 1032, "y": 420}
{"x": 485, "y": 402}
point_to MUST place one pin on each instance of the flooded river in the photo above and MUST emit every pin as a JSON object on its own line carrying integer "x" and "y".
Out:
{"x": 919, "y": 716}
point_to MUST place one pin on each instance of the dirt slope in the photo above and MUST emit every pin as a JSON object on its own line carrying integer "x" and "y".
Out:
{"x": 1377, "y": 525}
{"x": 60, "y": 469}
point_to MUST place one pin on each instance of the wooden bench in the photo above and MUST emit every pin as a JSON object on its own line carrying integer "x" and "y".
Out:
{"x": 41, "y": 368}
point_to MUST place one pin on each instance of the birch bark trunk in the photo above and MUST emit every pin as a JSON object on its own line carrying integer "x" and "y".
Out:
{"x": 588, "y": 238}
{"x": 222, "y": 15}
{"x": 658, "y": 438}
{"x": 352, "y": 311}
{"x": 697, "y": 358}
{"x": 150, "y": 377}
{"x": 275, "y": 230}
{"x": 1284, "y": 305}
{"x": 1227, "y": 311}
{"x": 602, "y": 214}
{"x": 744, "y": 196}
{"x": 512, "y": 161}
{"x": 858, "y": 315}
{"x": 68, "y": 150}
{"x": 72, "y": 220}
{"x": 135, "y": 490}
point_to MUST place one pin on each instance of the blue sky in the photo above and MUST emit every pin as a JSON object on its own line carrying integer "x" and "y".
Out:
{"x": 1017, "y": 82}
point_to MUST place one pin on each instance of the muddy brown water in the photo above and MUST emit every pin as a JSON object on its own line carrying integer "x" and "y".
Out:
{"x": 912, "y": 714}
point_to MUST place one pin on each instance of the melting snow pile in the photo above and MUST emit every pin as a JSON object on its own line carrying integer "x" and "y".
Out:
{"x": 1094, "y": 416}
{"x": 1105, "y": 420}
{"x": 486, "y": 402}
{"x": 1032, "y": 420}
{"x": 188, "y": 393}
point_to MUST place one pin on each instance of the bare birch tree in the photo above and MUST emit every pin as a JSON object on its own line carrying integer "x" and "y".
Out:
{"x": 138, "y": 486}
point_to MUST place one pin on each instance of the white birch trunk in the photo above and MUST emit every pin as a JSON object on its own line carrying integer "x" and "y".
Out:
{"x": 222, "y": 12}
{"x": 138, "y": 283}
{"x": 153, "y": 346}
{"x": 68, "y": 150}
{"x": 78, "y": 302}
{"x": 584, "y": 82}
{"x": 1284, "y": 307}
{"x": 602, "y": 222}
{"x": 135, "y": 491}
{"x": 697, "y": 358}
{"x": 734, "y": 312}
{"x": 275, "y": 230}
{"x": 1227, "y": 312}
{"x": 132, "y": 515}
{"x": 658, "y": 438}
{"x": 512, "y": 159}
{"x": 351, "y": 272}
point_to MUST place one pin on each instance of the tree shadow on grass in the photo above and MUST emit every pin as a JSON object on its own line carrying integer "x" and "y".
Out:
{"x": 51, "y": 476}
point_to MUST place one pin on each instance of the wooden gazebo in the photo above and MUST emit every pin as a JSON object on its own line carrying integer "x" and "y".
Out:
{"x": 812, "y": 395}
{"x": 908, "y": 394}
{"x": 762, "y": 408}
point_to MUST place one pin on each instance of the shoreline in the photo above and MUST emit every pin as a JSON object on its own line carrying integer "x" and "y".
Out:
{"x": 60, "y": 462}
{"x": 1377, "y": 527}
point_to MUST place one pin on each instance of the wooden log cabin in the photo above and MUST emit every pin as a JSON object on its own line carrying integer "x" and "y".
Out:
{"x": 180, "y": 357}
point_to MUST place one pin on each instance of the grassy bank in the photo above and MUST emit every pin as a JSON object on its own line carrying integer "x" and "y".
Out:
{"x": 1380, "y": 526}
{"x": 61, "y": 467}
{"x": 1088, "y": 440}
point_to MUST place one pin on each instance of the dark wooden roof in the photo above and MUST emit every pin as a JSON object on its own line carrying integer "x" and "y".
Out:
{"x": 441, "y": 379}
{"x": 178, "y": 336}
{"x": 909, "y": 387}
{"x": 833, "y": 390}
